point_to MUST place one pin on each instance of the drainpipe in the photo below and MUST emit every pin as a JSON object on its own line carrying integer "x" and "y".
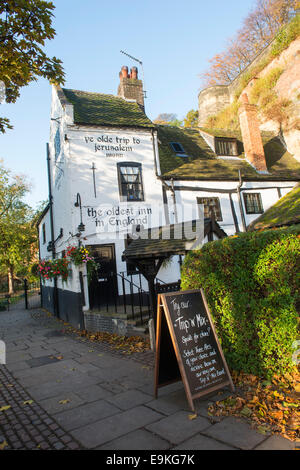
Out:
{"x": 238, "y": 190}
{"x": 164, "y": 184}
{"x": 174, "y": 201}
{"x": 55, "y": 293}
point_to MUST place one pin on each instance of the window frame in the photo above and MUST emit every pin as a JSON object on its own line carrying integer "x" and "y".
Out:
{"x": 226, "y": 140}
{"x": 260, "y": 207}
{"x": 179, "y": 152}
{"x": 218, "y": 210}
{"x": 124, "y": 197}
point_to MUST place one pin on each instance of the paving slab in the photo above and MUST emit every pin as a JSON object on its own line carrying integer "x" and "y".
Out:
{"x": 61, "y": 403}
{"x": 53, "y": 388}
{"x": 178, "y": 427}
{"x": 235, "y": 432}
{"x": 200, "y": 442}
{"x": 92, "y": 393}
{"x": 129, "y": 399}
{"x": 108, "y": 429}
{"x": 86, "y": 414}
{"x": 137, "y": 440}
{"x": 277, "y": 443}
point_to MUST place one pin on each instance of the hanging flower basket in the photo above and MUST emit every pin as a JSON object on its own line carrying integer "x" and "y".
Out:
{"x": 45, "y": 269}
{"x": 80, "y": 256}
{"x": 48, "y": 269}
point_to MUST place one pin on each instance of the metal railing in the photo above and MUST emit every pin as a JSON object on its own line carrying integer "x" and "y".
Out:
{"x": 125, "y": 296}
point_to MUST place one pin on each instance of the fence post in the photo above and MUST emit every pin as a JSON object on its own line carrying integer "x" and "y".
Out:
{"x": 26, "y": 293}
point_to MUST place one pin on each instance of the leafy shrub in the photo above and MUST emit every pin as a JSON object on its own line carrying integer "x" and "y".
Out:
{"x": 264, "y": 84}
{"x": 285, "y": 36}
{"x": 251, "y": 282}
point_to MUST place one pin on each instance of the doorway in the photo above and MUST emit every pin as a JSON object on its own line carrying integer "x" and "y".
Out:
{"x": 103, "y": 286}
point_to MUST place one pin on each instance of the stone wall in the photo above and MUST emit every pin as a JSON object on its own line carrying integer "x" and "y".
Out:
{"x": 211, "y": 101}
{"x": 214, "y": 99}
{"x": 97, "y": 322}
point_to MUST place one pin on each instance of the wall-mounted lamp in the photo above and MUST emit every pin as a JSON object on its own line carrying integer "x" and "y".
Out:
{"x": 81, "y": 226}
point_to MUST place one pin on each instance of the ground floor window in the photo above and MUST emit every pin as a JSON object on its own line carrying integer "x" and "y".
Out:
{"x": 211, "y": 203}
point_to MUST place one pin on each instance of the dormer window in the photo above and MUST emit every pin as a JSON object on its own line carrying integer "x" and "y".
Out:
{"x": 226, "y": 147}
{"x": 178, "y": 149}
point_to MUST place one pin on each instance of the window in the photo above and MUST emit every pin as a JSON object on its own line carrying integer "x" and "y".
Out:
{"x": 253, "y": 203}
{"x": 211, "y": 202}
{"x": 130, "y": 181}
{"x": 226, "y": 147}
{"x": 44, "y": 233}
{"x": 178, "y": 149}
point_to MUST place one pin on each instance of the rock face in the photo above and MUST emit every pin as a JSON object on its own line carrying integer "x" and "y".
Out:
{"x": 214, "y": 99}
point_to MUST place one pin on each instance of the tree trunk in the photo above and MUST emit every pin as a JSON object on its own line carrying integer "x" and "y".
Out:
{"x": 10, "y": 279}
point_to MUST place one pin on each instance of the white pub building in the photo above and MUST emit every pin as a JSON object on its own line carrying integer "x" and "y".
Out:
{"x": 112, "y": 172}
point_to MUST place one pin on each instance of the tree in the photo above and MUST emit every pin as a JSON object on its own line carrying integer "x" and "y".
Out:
{"x": 12, "y": 189}
{"x": 25, "y": 25}
{"x": 258, "y": 29}
{"x": 168, "y": 119}
{"x": 191, "y": 119}
{"x": 18, "y": 235}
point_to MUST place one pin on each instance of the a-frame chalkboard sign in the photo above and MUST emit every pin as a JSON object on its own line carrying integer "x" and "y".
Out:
{"x": 187, "y": 347}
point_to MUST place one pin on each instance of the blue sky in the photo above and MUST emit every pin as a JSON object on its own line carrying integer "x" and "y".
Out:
{"x": 174, "y": 39}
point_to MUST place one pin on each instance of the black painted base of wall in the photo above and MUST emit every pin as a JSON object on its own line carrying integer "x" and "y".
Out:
{"x": 69, "y": 305}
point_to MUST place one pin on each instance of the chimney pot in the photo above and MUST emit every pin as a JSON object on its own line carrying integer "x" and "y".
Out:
{"x": 131, "y": 89}
{"x": 134, "y": 73}
{"x": 124, "y": 71}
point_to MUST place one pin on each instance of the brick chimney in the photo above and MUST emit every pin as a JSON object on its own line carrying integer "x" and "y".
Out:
{"x": 253, "y": 146}
{"x": 130, "y": 87}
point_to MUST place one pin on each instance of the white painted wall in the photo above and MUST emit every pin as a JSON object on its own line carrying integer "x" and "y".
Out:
{"x": 269, "y": 195}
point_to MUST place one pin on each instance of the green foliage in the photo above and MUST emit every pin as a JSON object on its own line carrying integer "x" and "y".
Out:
{"x": 252, "y": 286}
{"x": 225, "y": 119}
{"x": 191, "y": 119}
{"x": 25, "y": 26}
{"x": 285, "y": 36}
{"x": 265, "y": 84}
{"x": 283, "y": 39}
{"x": 18, "y": 236}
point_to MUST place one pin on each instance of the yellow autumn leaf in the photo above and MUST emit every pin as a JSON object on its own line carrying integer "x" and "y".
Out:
{"x": 27, "y": 402}
{"x": 64, "y": 402}
{"x": 3, "y": 445}
{"x": 4, "y": 408}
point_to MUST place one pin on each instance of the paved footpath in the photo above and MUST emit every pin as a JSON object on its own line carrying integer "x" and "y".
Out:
{"x": 59, "y": 391}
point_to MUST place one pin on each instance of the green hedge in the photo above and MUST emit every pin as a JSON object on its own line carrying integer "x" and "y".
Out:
{"x": 251, "y": 282}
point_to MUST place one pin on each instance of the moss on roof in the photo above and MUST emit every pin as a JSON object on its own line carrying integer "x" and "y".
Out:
{"x": 203, "y": 164}
{"x": 98, "y": 109}
{"x": 285, "y": 212}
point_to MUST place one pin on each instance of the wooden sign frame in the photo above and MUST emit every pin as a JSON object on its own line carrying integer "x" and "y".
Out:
{"x": 162, "y": 307}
